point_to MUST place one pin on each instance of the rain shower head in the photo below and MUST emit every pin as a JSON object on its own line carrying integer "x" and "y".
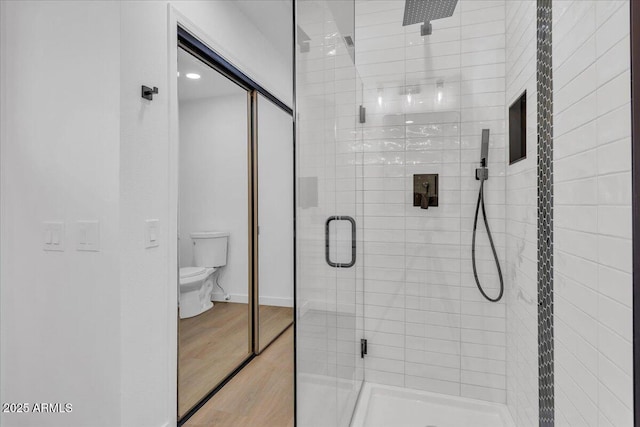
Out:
{"x": 425, "y": 11}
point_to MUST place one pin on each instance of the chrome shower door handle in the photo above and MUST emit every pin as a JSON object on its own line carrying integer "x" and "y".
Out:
{"x": 327, "y": 244}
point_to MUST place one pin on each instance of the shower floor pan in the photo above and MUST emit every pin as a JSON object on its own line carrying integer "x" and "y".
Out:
{"x": 384, "y": 406}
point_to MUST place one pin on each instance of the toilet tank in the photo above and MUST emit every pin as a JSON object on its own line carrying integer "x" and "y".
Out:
{"x": 210, "y": 248}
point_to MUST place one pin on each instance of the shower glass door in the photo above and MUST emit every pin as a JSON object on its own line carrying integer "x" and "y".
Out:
{"x": 328, "y": 223}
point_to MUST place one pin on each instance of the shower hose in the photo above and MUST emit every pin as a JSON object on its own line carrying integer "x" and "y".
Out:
{"x": 493, "y": 248}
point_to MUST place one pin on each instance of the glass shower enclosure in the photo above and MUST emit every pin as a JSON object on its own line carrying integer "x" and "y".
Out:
{"x": 329, "y": 208}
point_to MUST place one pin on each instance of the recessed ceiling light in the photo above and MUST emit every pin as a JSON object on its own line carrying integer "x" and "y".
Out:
{"x": 192, "y": 76}
{"x": 409, "y": 122}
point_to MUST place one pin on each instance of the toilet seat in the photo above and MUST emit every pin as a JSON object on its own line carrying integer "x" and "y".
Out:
{"x": 193, "y": 275}
{"x": 186, "y": 272}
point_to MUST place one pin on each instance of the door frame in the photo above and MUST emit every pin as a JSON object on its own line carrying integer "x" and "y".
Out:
{"x": 183, "y": 34}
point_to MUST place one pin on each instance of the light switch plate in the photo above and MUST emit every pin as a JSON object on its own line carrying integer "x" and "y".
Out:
{"x": 88, "y": 236}
{"x": 152, "y": 233}
{"x": 53, "y": 236}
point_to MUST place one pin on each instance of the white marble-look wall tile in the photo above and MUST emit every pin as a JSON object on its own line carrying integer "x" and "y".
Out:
{"x": 521, "y": 216}
{"x": 483, "y": 323}
{"x": 427, "y": 100}
{"x": 593, "y": 313}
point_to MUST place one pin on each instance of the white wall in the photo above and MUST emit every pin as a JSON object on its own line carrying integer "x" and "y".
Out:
{"x": 214, "y": 181}
{"x": 426, "y": 323}
{"x": 59, "y": 162}
{"x": 274, "y": 19}
{"x": 148, "y": 276}
{"x": 592, "y": 214}
{"x": 237, "y": 38}
{"x": 78, "y": 138}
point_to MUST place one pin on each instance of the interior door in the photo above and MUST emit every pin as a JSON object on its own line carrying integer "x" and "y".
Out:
{"x": 214, "y": 328}
{"x": 275, "y": 221}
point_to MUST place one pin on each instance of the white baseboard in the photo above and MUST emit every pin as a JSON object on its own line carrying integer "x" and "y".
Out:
{"x": 244, "y": 299}
{"x": 239, "y": 298}
{"x": 277, "y": 301}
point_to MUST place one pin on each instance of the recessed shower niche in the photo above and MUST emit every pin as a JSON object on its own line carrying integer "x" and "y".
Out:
{"x": 518, "y": 129}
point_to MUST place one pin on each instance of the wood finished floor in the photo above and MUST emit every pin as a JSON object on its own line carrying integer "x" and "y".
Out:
{"x": 211, "y": 345}
{"x": 261, "y": 395}
{"x": 214, "y": 343}
{"x": 273, "y": 320}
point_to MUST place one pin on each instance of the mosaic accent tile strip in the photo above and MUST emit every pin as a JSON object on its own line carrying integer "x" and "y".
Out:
{"x": 545, "y": 215}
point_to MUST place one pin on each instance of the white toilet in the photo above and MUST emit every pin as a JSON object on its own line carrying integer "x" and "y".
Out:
{"x": 197, "y": 282}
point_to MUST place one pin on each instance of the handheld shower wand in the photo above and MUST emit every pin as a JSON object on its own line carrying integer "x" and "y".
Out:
{"x": 484, "y": 149}
{"x": 482, "y": 174}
